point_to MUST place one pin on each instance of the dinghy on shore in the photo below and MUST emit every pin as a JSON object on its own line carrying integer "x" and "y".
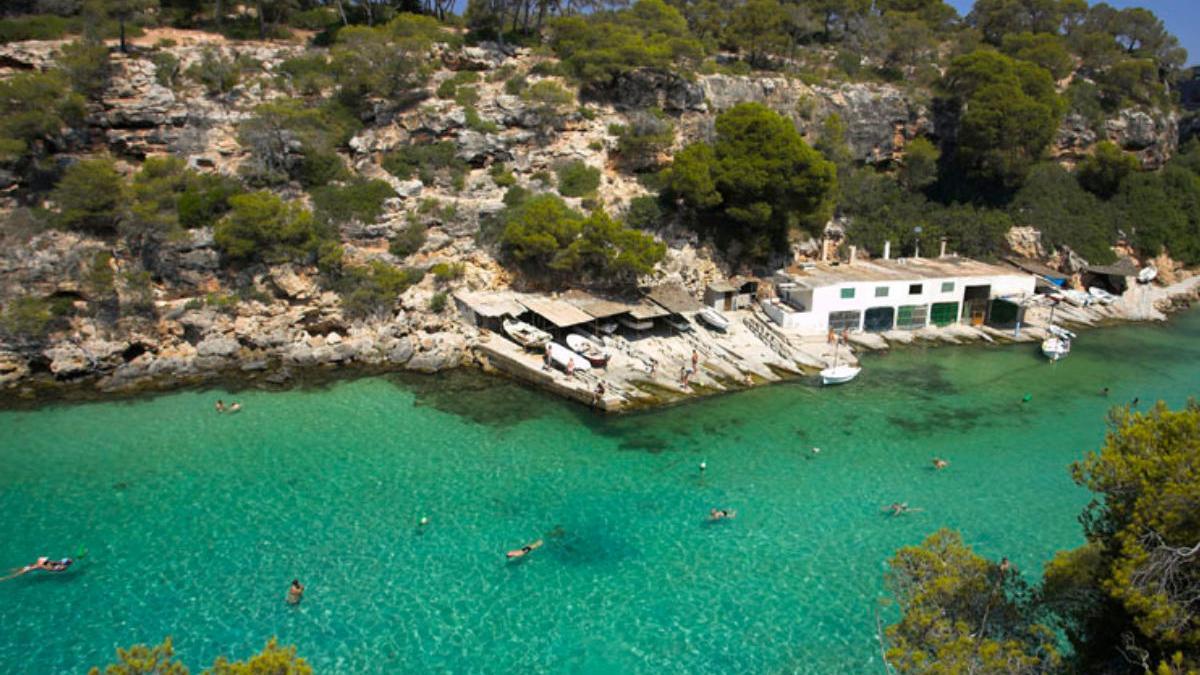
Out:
{"x": 588, "y": 350}
{"x": 566, "y": 359}
{"x": 525, "y": 335}
{"x": 714, "y": 318}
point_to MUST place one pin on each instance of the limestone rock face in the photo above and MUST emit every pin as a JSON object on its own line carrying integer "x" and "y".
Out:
{"x": 1025, "y": 242}
{"x": 67, "y": 360}
{"x": 656, "y": 89}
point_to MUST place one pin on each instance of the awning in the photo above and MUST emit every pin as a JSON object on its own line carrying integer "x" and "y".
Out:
{"x": 1124, "y": 267}
{"x": 597, "y": 308}
{"x": 491, "y": 305}
{"x": 721, "y": 287}
{"x": 557, "y": 312}
{"x": 647, "y": 310}
{"x": 675, "y": 298}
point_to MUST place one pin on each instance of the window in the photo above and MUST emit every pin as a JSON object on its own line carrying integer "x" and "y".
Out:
{"x": 947, "y": 286}
{"x": 881, "y": 291}
{"x": 847, "y": 293}
{"x": 840, "y": 321}
{"x": 915, "y": 289}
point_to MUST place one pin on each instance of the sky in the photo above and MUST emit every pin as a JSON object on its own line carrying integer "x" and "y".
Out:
{"x": 1182, "y": 18}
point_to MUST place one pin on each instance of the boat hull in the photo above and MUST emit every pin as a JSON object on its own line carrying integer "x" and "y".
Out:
{"x": 527, "y": 336}
{"x": 1056, "y": 348}
{"x": 839, "y": 374}
{"x": 588, "y": 350}
{"x": 715, "y": 319}
{"x": 564, "y": 358}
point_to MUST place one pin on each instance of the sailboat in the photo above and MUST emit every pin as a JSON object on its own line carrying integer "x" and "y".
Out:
{"x": 838, "y": 374}
{"x": 1058, "y": 345}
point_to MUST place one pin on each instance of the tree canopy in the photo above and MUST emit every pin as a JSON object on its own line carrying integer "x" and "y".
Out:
{"x": 756, "y": 181}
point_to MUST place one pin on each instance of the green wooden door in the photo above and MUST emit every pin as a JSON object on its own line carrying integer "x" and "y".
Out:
{"x": 943, "y": 313}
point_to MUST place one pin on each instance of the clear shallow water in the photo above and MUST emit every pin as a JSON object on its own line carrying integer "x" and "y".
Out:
{"x": 197, "y": 522}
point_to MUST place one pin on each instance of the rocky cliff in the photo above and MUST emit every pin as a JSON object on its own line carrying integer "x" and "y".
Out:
{"x": 266, "y": 321}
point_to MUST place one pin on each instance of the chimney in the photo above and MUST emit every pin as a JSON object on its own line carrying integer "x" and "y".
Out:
{"x": 942, "y": 253}
{"x": 853, "y": 254}
{"x": 887, "y": 250}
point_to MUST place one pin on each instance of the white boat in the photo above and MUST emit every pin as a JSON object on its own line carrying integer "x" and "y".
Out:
{"x": 587, "y": 336}
{"x": 566, "y": 359}
{"x": 839, "y": 374}
{"x": 714, "y": 318}
{"x": 585, "y": 348}
{"x": 635, "y": 324}
{"x": 608, "y": 328}
{"x": 1056, "y": 348}
{"x": 1059, "y": 331}
{"x": 527, "y": 336}
{"x": 1147, "y": 274}
{"x": 1101, "y": 296}
{"x": 1077, "y": 298}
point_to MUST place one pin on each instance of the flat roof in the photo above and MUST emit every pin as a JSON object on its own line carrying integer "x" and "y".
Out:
{"x": 675, "y": 298}
{"x": 1124, "y": 267}
{"x": 557, "y": 312}
{"x": 721, "y": 287}
{"x": 596, "y": 307}
{"x": 1035, "y": 267}
{"x": 903, "y": 269}
{"x": 491, "y": 305}
{"x": 647, "y": 310}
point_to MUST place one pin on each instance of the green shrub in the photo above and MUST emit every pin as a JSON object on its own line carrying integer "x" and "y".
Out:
{"x": 466, "y": 96}
{"x": 217, "y": 74}
{"x": 515, "y": 196}
{"x": 437, "y": 302}
{"x": 647, "y": 136}
{"x": 409, "y": 240}
{"x": 167, "y": 196}
{"x": 307, "y": 74}
{"x": 91, "y": 196}
{"x": 544, "y": 177}
{"x": 476, "y": 123}
{"x": 36, "y": 27}
{"x": 87, "y": 66}
{"x": 516, "y": 85}
{"x": 546, "y": 69}
{"x": 577, "y": 179}
{"x": 503, "y": 73}
{"x": 428, "y": 161}
{"x": 644, "y": 213}
{"x": 360, "y": 200}
{"x": 275, "y": 130}
{"x": 587, "y": 113}
{"x": 374, "y": 289}
{"x": 388, "y": 63}
{"x": 447, "y": 89}
{"x": 35, "y": 107}
{"x": 166, "y": 68}
{"x": 261, "y": 226}
{"x": 597, "y": 49}
{"x": 32, "y": 317}
{"x": 444, "y": 272}
{"x": 317, "y": 18}
{"x": 501, "y": 176}
{"x": 548, "y": 239}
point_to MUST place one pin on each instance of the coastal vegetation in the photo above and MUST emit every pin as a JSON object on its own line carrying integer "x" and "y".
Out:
{"x": 160, "y": 660}
{"x": 1125, "y": 600}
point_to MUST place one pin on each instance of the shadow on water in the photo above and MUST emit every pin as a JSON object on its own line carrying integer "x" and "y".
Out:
{"x": 479, "y": 398}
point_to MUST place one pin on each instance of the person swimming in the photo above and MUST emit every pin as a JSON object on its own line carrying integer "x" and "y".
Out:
{"x": 899, "y": 508}
{"x": 235, "y": 407}
{"x": 721, "y": 514}
{"x": 295, "y": 592}
{"x": 525, "y": 550}
{"x": 939, "y": 463}
{"x": 44, "y": 564}
{"x": 220, "y": 406}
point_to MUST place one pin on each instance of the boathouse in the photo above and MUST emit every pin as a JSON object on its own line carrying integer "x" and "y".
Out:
{"x": 737, "y": 293}
{"x": 487, "y": 310}
{"x": 905, "y": 294}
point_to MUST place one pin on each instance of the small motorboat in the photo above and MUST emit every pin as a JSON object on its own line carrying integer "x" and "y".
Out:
{"x": 636, "y": 324}
{"x": 1056, "y": 348}
{"x": 527, "y": 336}
{"x": 839, "y": 374}
{"x": 679, "y": 323}
{"x": 1101, "y": 296}
{"x": 1147, "y": 274}
{"x": 588, "y": 350}
{"x": 1077, "y": 298}
{"x": 566, "y": 359}
{"x": 714, "y": 318}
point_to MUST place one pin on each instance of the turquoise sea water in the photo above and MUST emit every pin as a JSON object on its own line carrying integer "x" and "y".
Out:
{"x": 195, "y": 522}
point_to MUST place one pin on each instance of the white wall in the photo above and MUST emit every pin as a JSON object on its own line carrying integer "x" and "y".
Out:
{"x": 828, "y": 299}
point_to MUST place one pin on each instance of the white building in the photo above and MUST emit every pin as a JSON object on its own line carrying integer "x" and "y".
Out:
{"x": 881, "y": 295}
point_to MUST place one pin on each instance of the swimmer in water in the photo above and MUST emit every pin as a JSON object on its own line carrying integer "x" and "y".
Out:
{"x": 939, "y": 463}
{"x": 525, "y": 550}
{"x": 220, "y": 406}
{"x": 43, "y": 564}
{"x": 721, "y": 514}
{"x": 295, "y": 592}
{"x": 235, "y": 407}
{"x": 703, "y": 466}
{"x": 899, "y": 508}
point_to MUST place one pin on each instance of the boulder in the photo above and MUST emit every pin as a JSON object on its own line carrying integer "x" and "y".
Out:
{"x": 14, "y": 368}
{"x": 293, "y": 283}
{"x": 440, "y": 351}
{"x": 217, "y": 345}
{"x": 68, "y": 361}
{"x": 644, "y": 88}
